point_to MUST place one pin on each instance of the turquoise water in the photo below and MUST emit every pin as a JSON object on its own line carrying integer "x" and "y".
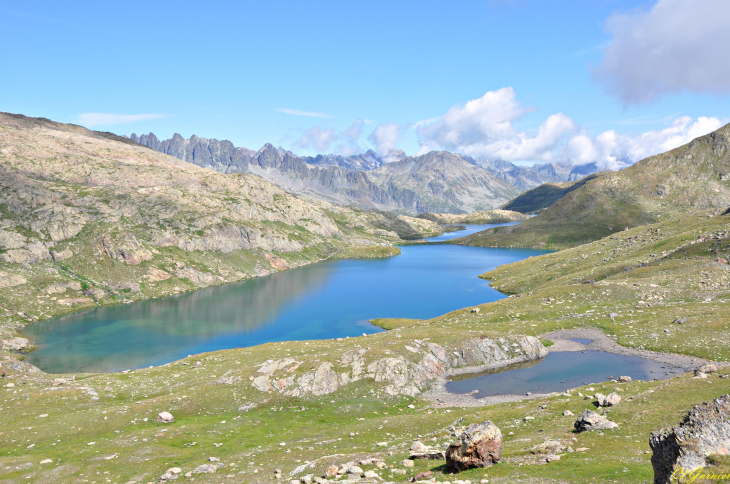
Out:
{"x": 560, "y": 371}
{"x": 319, "y": 301}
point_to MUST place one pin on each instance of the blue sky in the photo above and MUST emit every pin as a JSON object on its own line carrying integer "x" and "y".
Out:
{"x": 523, "y": 80}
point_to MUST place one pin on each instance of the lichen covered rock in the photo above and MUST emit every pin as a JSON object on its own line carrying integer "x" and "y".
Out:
{"x": 703, "y": 432}
{"x": 480, "y": 445}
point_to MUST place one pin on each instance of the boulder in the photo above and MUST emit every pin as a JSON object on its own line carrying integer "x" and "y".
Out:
{"x": 480, "y": 445}
{"x": 421, "y": 451}
{"x": 624, "y": 379}
{"x": 550, "y": 447}
{"x": 608, "y": 400}
{"x": 708, "y": 368}
{"x": 165, "y": 417}
{"x": 703, "y": 432}
{"x": 205, "y": 469}
{"x": 589, "y": 420}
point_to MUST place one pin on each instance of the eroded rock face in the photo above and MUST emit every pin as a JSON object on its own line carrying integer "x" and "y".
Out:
{"x": 401, "y": 375}
{"x": 589, "y": 420}
{"x": 127, "y": 249}
{"x": 479, "y": 446}
{"x": 703, "y": 432}
{"x": 15, "y": 344}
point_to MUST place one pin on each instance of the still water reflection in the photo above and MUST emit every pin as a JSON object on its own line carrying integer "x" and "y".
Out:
{"x": 324, "y": 300}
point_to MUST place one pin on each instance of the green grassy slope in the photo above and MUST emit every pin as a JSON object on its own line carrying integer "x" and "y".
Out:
{"x": 648, "y": 276}
{"x": 541, "y": 197}
{"x": 693, "y": 177}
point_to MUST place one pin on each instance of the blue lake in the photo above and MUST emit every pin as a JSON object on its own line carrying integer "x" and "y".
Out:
{"x": 319, "y": 301}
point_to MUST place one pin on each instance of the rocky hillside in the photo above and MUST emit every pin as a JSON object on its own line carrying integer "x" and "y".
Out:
{"x": 392, "y": 182}
{"x": 484, "y": 217}
{"x": 444, "y": 183}
{"x": 693, "y": 177}
{"x": 89, "y": 218}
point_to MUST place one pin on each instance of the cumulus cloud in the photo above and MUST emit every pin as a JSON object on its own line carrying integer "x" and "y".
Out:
{"x": 485, "y": 128}
{"x": 309, "y": 114}
{"x": 611, "y": 150}
{"x": 108, "y": 119}
{"x": 385, "y": 136}
{"x": 675, "y": 46}
{"x": 317, "y": 138}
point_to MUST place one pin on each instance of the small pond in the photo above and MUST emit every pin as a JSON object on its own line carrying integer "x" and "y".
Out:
{"x": 560, "y": 371}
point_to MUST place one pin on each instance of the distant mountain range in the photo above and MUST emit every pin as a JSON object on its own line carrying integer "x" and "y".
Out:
{"x": 439, "y": 181}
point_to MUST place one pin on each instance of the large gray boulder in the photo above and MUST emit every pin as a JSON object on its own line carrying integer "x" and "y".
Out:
{"x": 703, "y": 432}
{"x": 589, "y": 420}
{"x": 479, "y": 446}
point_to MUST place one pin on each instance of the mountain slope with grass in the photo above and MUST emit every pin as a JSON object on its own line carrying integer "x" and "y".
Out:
{"x": 89, "y": 218}
{"x": 693, "y": 177}
{"x": 662, "y": 287}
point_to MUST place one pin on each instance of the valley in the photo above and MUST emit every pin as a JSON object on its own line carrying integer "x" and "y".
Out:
{"x": 91, "y": 221}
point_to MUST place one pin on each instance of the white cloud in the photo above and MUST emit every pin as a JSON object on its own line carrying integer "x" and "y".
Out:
{"x": 309, "y": 114}
{"x": 611, "y": 150}
{"x": 317, "y": 138}
{"x": 385, "y": 136}
{"x": 675, "y": 46}
{"x": 108, "y": 119}
{"x": 485, "y": 128}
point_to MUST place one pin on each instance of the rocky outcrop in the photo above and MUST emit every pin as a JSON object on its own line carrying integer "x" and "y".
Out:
{"x": 126, "y": 248}
{"x": 11, "y": 280}
{"x": 479, "y": 446}
{"x": 397, "y": 374}
{"x": 703, "y": 432}
{"x": 589, "y": 420}
{"x": 15, "y": 344}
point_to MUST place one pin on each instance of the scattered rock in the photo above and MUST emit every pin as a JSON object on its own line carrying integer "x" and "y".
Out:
{"x": 213, "y": 459}
{"x": 703, "y": 432}
{"x": 406, "y": 463}
{"x": 421, "y": 451}
{"x": 568, "y": 413}
{"x": 590, "y": 420}
{"x": 47, "y": 461}
{"x": 354, "y": 470}
{"x": 331, "y": 471}
{"x": 608, "y": 400}
{"x": 479, "y": 446}
{"x": 550, "y": 447}
{"x": 624, "y": 379}
{"x": 205, "y": 469}
{"x": 165, "y": 417}
{"x": 475, "y": 310}
{"x": 423, "y": 476}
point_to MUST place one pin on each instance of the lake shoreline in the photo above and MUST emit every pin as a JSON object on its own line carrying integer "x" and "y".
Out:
{"x": 441, "y": 398}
